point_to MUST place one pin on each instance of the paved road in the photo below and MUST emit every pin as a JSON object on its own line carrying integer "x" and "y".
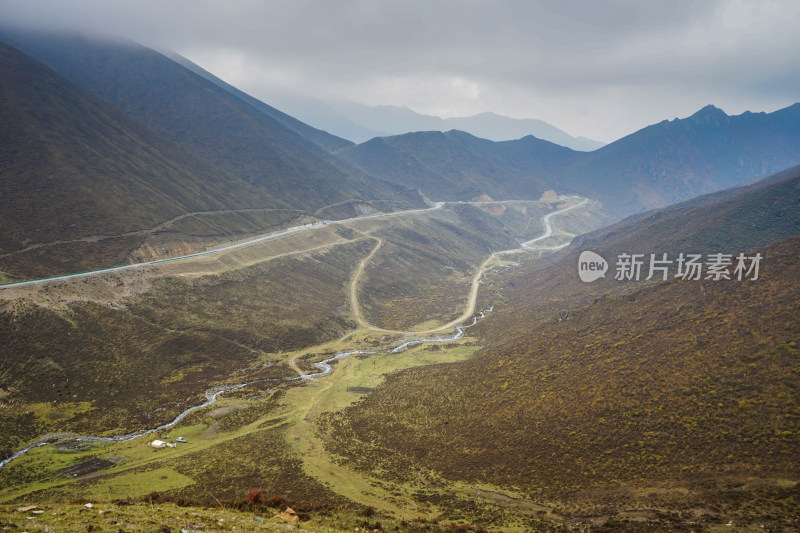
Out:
{"x": 323, "y": 367}
{"x": 548, "y": 229}
{"x": 476, "y": 279}
{"x": 249, "y": 242}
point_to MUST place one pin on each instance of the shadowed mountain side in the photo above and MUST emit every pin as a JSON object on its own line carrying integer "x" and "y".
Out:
{"x": 321, "y": 138}
{"x": 444, "y": 166}
{"x": 205, "y": 118}
{"x": 656, "y": 166}
{"x": 675, "y": 160}
{"x": 75, "y": 166}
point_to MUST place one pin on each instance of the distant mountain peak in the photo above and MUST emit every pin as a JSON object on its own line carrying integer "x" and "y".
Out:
{"x": 394, "y": 120}
{"x": 710, "y": 115}
{"x": 710, "y": 109}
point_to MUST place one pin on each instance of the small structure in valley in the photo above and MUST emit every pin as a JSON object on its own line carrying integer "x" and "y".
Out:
{"x": 289, "y": 515}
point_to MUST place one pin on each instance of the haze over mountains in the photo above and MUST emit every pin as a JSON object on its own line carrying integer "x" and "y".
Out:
{"x": 360, "y": 123}
{"x": 270, "y": 160}
{"x": 661, "y": 164}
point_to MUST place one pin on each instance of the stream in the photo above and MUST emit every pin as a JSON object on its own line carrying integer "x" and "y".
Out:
{"x": 324, "y": 367}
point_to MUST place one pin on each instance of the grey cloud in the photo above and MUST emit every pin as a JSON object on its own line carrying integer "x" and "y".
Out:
{"x": 630, "y": 61}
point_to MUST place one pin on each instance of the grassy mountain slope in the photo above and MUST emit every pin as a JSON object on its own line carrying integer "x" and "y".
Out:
{"x": 247, "y": 307}
{"x": 83, "y": 353}
{"x": 204, "y": 118}
{"x": 424, "y": 267}
{"x": 75, "y": 166}
{"x": 668, "y": 396}
{"x": 321, "y": 138}
{"x": 444, "y": 166}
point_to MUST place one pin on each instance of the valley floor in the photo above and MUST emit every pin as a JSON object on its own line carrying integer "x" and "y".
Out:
{"x": 279, "y": 436}
{"x": 272, "y": 410}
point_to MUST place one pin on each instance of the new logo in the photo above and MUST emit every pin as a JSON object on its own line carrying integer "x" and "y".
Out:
{"x": 591, "y": 266}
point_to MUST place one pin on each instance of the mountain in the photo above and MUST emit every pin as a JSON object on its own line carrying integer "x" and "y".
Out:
{"x": 658, "y": 165}
{"x": 360, "y": 123}
{"x": 661, "y": 164}
{"x": 207, "y": 119}
{"x": 667, "y": 402}
{"x": 321, "y": 138}
{"x": 499, "y": 128}
{"x": 74, "y": 166}
{"x": 678, "y": 159}
{"x": 446, "y": 166}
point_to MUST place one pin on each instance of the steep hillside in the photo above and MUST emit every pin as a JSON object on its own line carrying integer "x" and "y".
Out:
{"x": 205, "y": 118}
{"x": 656, "y": 398}
{"x": 679, "y": 159}
{"x": 322, "y": 138}
{"x": 73, "y": 166}
{"x": 656, "y": 166}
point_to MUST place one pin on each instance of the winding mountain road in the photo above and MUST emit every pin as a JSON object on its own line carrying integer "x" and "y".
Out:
{"x": 548, "y": 229}
{"x": 324, "y": 367}
{"x": 476, "y": 279}
{"x": 248, "y": 242}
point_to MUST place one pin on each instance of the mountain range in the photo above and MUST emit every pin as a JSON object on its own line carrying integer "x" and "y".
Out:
{"x": 203, "y": 117}
{"x": 245, "y": 154}
{"x": 359, "y": 122}
{"x": 656, "y": 166}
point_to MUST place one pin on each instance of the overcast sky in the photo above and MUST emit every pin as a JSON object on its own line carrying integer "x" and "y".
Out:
{"x": 600, "y": 69}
